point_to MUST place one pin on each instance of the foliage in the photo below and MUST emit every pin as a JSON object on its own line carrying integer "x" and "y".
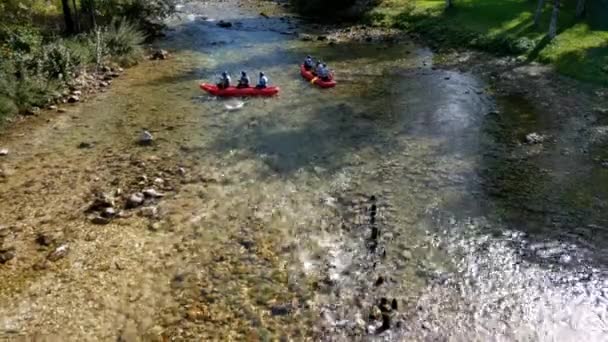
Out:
{"x": 20, "y": 38}
{"x": 20, "y": 88}
{"x": 123, "y": 42}
{"x": 57, "y": 61}
{"x": 146, "y": 14}
{"x": 507, "y": 27}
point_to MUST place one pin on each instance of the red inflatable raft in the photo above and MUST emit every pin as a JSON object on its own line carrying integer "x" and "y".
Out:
{"x": 316, "y": 80}
{"x": 239, "y": 92}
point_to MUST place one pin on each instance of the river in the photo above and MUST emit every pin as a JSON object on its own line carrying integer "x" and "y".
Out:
{"x": 402, "y": 205}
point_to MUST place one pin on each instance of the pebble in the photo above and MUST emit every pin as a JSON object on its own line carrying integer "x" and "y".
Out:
{"x": 101, "y": 201}
{"x": 149, "y": 211}
{"x": 59, "y": 253}
{"x": 195, "y": 314}
{"x": 224, "y": 24}
{"x": 146, "y": 138}
{"x": 160, "y": 54}
{"x": 280, "y": 310}
{"x": 108, "y": 212}
{"x": 100, "y": 220}
{"x": 534, "y": 138}
{"x": 155, "y": 226}
{"x": 85, "y": 145}
{"x": 3, "y": 151}
{"x": 7, "y": 254}
{"x": 44, "y": 239}
{"x": 135, "y": 200}
{"x": 159, "y": 181}
{"x": 32, "y": 111}
{"x": 73, "y": 99}
{"x": 152, "y": 193}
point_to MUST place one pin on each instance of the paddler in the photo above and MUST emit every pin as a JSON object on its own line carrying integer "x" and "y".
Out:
{"x": 308, "y": 63}
{"x": 318, "y": 68}
{"x": 322, "y": 72}
{"x": 224, "y": 81}
{"x": 263, "y": 83}
{"x": 244, "y": 81}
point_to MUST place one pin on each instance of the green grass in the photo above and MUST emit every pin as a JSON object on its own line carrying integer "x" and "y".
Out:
{"x": 506, "y": 27}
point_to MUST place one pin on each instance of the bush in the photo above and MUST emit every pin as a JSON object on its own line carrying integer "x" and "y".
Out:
{"x": 20, "y": 39}
{"x": 123, "y": 42}
{"x": 147, "y": 14}
{"x": 21, "y": 88}
{"x": 58, "y": 62}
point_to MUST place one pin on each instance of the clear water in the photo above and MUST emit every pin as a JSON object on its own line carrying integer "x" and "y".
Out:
{"x": 480, "y": 237}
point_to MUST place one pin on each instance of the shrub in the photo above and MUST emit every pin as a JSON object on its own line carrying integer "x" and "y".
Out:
{"x": 58, "y": 62}
{"x": 20, "y": 88}
{"x": 147, "y": 14}
{"x": 123, "y": 42}
{"x": 21, "y": 39}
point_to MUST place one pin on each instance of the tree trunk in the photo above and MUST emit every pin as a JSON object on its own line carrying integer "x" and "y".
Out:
{"x": 553, "y": 24}
{"x": 580, "y": 8}
{"x": 76, "y": 16}
{"x": 67, "y": 16}
{"x": 539, "y": 12}
{"x": 448, "y": 4}
{"x": 92, "y": 13}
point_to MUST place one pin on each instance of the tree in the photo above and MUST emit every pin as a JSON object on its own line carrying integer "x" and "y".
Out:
{"x": 539, "y": 12}
{"x": 449, "y": 4}
{"x": 76, "y": 16}
{"x": 553, "y": 24}
{"x": 580, "y": 8}
{"x": 92, "y": 13}
{"x": 67, "y": 16}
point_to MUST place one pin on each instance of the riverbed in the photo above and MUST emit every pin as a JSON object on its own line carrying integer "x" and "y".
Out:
{"x": 407, "y": 203}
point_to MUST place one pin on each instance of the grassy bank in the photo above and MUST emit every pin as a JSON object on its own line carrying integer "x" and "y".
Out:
{"x": 507, "y": 27}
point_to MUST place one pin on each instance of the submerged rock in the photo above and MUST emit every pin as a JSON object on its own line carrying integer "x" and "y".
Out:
{"x": 3, "y": 151}
{"x": 280, "y": 310}
{"x": 535, "y": 138}
{"x": 108, "y": 212}
{"x": 73, "y": 99}
{"x": 44, "y": 239}
{"x": 160, "y": 54}
{"x": 59, "y": 253}
{"x": 152, "y": 193}
{"x": 135, "y": 200}
{"x": 101, "y": 220}
{"x": 149, "y": 212}
{"x": 102, "y": 201}
{"x": 224, "y": 24}
{"x": 7, "y": 254}
{"x": 145, "y": 138}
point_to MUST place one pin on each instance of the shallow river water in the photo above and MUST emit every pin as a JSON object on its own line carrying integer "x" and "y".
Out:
{"x": 401, "y": 205}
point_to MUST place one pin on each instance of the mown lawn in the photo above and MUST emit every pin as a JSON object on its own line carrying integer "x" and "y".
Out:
{"x": 507, "y": 26}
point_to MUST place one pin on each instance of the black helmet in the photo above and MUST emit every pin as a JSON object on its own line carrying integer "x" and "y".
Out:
{"x": 261, "y": 73}
{"x": 308, "y": 56}
{"x": 224, "y": 73}
{"x": 243, "y": 73}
